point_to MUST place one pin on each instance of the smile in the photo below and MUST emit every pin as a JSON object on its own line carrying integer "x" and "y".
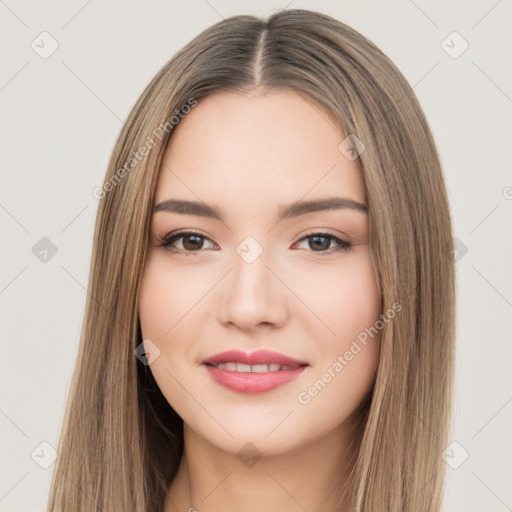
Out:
{"x": 255, "y": 373}
{"x": 255, "y": 368}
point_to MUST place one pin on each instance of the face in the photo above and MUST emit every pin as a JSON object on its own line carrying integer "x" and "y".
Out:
{"x": 244, "y": 268}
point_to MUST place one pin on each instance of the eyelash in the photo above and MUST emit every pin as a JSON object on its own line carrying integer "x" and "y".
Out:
{"x": 343, "y": 245}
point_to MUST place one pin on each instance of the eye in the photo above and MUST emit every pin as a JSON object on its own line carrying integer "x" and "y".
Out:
{"x": 191, "y": 241}
{"x": 318, "y": 241}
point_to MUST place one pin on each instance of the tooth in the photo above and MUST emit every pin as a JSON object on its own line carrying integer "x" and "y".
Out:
{"x": 255, "y": 368}
{"x": 259, "y": 368}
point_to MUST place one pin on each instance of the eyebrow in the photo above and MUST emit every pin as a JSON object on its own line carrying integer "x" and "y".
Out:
{"x": 293, "y": 210}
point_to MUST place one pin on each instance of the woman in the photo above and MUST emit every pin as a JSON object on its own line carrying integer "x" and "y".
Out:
{"x": 270, "y": 323}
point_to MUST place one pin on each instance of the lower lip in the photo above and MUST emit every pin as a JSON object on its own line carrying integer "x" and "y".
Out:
{"x": 253, "y": 383}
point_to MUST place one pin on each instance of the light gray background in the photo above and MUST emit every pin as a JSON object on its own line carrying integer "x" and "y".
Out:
{"x": 61, "y": 116}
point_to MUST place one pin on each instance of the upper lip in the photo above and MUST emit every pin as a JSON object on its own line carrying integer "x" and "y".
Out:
{"x": 258, "y": 357}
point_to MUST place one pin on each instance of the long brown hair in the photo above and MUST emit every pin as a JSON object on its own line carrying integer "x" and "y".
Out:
{"x": 121, "y": 441}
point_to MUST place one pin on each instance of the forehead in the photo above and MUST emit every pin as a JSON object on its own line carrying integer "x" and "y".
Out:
{"x": 278, "y": 145}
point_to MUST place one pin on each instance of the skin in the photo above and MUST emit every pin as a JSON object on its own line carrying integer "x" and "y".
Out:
{"x": 249, "y": 155}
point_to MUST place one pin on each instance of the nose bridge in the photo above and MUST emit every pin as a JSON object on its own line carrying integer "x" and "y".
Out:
{"x": 252, "y": 294}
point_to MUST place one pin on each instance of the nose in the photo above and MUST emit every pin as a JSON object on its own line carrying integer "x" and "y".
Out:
{"x": 253, "y": 296}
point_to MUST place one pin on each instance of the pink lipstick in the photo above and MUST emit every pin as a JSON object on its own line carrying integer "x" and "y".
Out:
{"x": 254, "y": 373}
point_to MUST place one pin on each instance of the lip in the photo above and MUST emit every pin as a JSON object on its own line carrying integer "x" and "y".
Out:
{"x": 251, "y": 382}
{"x": 258, "y": 357}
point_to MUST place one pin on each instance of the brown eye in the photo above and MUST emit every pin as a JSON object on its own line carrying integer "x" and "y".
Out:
{"x": 321, "y": 243}
{"x": 190, "y": 242}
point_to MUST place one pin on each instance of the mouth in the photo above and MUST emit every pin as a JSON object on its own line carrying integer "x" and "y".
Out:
{"x": 254, "y": 368}
{"x": 253, "y": 373}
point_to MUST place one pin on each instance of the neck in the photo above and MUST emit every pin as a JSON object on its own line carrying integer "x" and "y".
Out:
{"x": 311, "y": 477}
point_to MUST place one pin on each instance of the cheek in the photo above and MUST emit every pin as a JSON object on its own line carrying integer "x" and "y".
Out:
{"x": 172, "y": 315}
{"x": 164, "y": 300}
{"x": 167, "y": 296}
{"x": 344, "y": 298}
{"x": 349, "y": 304}
{"x": 357, "y": 302}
